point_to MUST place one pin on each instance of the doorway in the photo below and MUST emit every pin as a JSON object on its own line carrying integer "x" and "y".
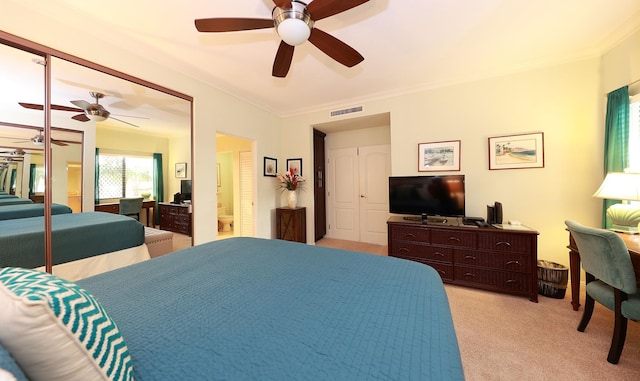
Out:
{"x": 358, "y": 164}
{"x": 235, "y": 186}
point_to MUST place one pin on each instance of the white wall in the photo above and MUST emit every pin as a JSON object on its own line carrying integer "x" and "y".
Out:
{"x": 560, "y": 101}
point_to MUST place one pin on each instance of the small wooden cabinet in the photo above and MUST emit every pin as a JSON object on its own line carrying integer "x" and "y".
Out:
{"x": 175, "y": 218}
{"x": 489, "y": 258}
{"x": 291, "y": 224}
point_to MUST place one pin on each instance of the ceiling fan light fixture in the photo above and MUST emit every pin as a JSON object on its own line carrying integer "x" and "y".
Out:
{"x": 293, "y": 24}
{"x": 38, "y": 140}
{"x": 97, "y": 114}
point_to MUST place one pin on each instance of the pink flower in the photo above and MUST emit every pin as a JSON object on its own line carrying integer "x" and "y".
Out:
{"x": 290, "y": 180}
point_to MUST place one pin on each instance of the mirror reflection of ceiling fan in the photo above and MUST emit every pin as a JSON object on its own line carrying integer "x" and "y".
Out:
{"x": 294, "y": 21}
{"x": 18, "y": 153}
{"x": 39, "y": 140}
{"x": 88, "y": 111}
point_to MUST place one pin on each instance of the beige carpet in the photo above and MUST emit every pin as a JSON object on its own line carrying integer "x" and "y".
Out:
{"x": 502, "y": 337}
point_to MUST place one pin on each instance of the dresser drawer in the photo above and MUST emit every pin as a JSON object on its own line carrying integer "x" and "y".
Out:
{"x": 417, "y": 251}
{"x": 501, "y": 280}
{"x": 453, "y": 238}
{"x": 505, "y": 242}
{"x": 501, "y": 261}
{"x": 409, "y": 233}
{"x": 445, "y": 270}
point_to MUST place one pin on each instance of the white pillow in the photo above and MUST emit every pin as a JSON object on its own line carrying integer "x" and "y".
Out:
{"x": 55, "y": 330}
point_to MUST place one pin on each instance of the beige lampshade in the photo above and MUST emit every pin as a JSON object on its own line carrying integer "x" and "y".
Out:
{"x": 620, "y": 186}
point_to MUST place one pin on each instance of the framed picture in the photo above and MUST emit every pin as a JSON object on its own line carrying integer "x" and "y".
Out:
{"x": 181, "y": 170}
{"x": 517, "y": 151}
{"x": 439, "y": 156}
{"x": 296, "y": 164}
{"x": 270, "y": 166}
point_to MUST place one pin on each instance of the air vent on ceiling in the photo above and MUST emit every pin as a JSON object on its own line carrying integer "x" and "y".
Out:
{"x": 346, "y": 111}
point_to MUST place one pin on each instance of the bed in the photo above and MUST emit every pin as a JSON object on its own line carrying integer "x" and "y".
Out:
{"x": 83, "y": 244}
{"x": 10, "y": 212}
{"x": 14, "y": 201}
{"x": 255, "y": 309}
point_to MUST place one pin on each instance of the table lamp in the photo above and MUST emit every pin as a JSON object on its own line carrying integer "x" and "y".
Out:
{"x": 624, "y": 217}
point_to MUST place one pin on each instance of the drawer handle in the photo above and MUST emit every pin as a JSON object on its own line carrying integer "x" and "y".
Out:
{"x": 513, "y": 263}
{"x": 472, "y": 257}
{"x": 512, "y": 281}
{"x": 439, "y": 254}
{"x": 410, "y": 235}
{"x": 404, "y": 249}
{"x": 454, "y": 239}
{"x": 470, "y": 275}
{"x": 502, "y": 243}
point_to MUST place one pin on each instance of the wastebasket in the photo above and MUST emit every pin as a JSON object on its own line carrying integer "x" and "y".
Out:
{"x": 552, "y": 279}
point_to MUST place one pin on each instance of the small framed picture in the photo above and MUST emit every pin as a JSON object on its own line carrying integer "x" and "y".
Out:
{"x": 439, "y": 156}
{"x": 516, "y": 151}
{"x": 270, "y": 166}
{"x": 296, "y": 164}
{"x": 181, "y": 170}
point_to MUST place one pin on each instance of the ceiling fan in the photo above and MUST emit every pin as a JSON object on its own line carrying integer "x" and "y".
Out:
{"x": 39, "y": 140}
{"x": 294, "y": 22}
{"x": 88, "y": 111}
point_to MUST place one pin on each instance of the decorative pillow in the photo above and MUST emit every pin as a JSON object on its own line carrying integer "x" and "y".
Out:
{"x": 55, "y": 330}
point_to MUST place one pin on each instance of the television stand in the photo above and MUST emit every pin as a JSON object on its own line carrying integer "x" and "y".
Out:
{"x": 488, "y": 258}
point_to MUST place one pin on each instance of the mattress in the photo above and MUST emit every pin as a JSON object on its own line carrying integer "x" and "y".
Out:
{"x": 14, "y": 201}
{"x": 248, "y": 308}
{"x": 74, "y": 236}
{"x": 9, "y": 212}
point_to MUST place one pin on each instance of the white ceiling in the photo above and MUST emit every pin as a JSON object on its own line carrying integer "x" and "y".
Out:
{"x": 407, "y": 45}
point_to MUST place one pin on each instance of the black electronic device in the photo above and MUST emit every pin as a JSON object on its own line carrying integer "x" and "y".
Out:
{"x": 494, "y": 213}
{"x": 427, "y": 195}
{"x": 177, "y": 199}
{"x": 185, "y": 190}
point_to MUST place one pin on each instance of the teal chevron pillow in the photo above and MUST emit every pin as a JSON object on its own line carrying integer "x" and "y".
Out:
{"x": 55, "y": 330}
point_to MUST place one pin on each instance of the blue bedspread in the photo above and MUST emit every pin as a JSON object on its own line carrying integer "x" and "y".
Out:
{"x": 254, "y": 309}
{"x": 74, "y": 236}
{"x": 14, "y": 201}
{"x": 10, "y": 212}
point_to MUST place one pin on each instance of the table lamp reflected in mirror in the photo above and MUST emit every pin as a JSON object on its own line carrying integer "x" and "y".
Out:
{"x": 624, "y": 216}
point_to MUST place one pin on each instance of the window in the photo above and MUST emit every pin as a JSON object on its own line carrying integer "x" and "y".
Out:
{"x": 634, "y": 134}
{"x": 124, "y": 176}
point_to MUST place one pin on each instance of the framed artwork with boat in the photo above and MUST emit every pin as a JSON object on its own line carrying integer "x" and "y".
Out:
{"x": 517, "y": 151}
{"x": 439, "y": 156}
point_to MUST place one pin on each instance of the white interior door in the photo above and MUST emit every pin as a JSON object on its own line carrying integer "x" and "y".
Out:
{"x": 375, "y": 168}
{"x": 342, "y": 194}
{"x": 246, "y": 194}
{"x": 357, "y": 193}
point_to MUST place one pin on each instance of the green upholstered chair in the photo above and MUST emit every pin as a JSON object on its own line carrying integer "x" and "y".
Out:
{"x": 610, "y": 280}
{"x": 131, "y": 207}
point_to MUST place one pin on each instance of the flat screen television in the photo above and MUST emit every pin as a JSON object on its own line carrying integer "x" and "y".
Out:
{"x": 185, "y": 189}
{"x": 427, "y": 195}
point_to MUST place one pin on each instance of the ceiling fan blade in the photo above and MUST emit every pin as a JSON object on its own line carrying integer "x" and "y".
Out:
{"x": 232, "y": 24}
{"x": 34, "y": 106}
{"x": 120, "y": 120}
{"x": 81, "y": 118}
{"x": 335, "y": 48}
{"x": 282, "y": 63}
{"x": 59, "y": 142}
{"x": 320, "y": 9}
{"x": 129, "y": 116}
{"x": 82, "y": 104}
{"x": 282, "y": 3}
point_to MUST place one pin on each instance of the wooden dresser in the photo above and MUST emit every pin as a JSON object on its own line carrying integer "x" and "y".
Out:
{"x": 175, "y": 218}
{"x": 488, "y": 258}
{"x": 291, "y": 224}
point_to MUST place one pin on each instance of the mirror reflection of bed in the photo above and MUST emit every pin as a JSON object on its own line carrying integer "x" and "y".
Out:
{"x": 162, "y": 125}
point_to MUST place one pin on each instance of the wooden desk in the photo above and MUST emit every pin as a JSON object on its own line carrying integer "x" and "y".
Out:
{"x": 114, "y": 207}
{"x": 633, "y": 244}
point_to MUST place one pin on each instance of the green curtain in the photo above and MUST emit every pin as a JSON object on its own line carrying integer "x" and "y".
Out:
{"x": 96, "y": 194}
{"x": 158, "y": 184}
{"x": 12, "y": 184}
{"x": 616, "y": 140}
{"x": 32, "y": 179}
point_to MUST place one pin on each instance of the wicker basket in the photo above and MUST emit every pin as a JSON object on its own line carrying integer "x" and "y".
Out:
{"x": 552, "y": 279}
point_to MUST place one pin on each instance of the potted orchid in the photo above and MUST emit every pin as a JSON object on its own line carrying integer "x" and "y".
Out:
{"x": 291, "y": 181}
